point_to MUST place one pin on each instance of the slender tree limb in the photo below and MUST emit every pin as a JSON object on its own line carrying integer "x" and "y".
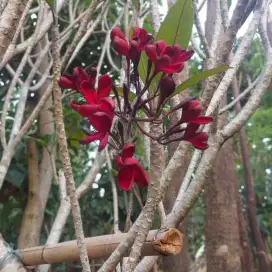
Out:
{"x": 65, "y": 153}
{"x": 81, "y": 31}
{"x": 237, "y": 99}
{"x": 200, "y": 30}
{"x": 253, "y": 103}
{"x": 238, "y": 57}
{"x": 89, "y": 32}
{"x": 114, "y": 194}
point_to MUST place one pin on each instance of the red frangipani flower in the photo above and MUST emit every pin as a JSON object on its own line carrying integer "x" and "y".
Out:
{"x": 74, "y": 81}
{"x": 197, "y": 139}
{"x": 100, "y": 117}
{"x": 168, "y": 59}
{"x": 130, "y": 171}
{"x": 140, "y": 38}
{"x": 167, "y": 87}
{"x": 92, "y": 95}
{"x": 191, "y": 113}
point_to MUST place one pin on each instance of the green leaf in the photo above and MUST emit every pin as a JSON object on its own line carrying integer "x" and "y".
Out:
{"x": 176, "y": 28}
{"x": 199, "y": 77}
{"x": 177, "y": 25}
{"x": 131, "y": 95}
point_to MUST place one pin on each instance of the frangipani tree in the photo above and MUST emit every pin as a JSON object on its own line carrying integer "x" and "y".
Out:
{"x": 139, "y": 107}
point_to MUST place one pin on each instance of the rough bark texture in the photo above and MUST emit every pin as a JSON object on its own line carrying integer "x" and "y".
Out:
{"x": 31, "y": 223}
{"x": 181, "y": 261}
{"x": 250, "y": 192}
{"x": 223, "y": 251}
{"x": 8, "y": 22}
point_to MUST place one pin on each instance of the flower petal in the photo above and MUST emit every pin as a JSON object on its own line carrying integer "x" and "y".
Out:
{"x": 66, "y": 82}
{"x": 140, "y": 176}
{"x": 161, "y": 45}
{"x": 130, "y": 161}
{"x": 162, "y": 63}
{"x": 116, "y": 31}
{"x": 93, "y": 137}
{"x": 85, "y": 110}
{"x": 121, "y": 46}
{"x": 119, "y": 162}
{"x": 186, "y": 55}
{"x": 80, "y": 75}
{"x": 104, "y": 86}
{"x": 103, "y": 142}
{"x": 202, "y": 120}
{"x": 101, "y": 121}
{"x": 128, "y": 150}
{"x": 88, "y": 92}
{"x": 126, "y": 178}
{"x": 200, "y": 140}
{"x": 151, "y": 52}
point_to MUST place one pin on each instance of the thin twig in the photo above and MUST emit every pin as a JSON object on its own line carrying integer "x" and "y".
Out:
{"x": 200, "y": 30}
{"x": 240, "y": 96}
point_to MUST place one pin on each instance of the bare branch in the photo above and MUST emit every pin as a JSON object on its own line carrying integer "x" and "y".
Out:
{"x": 238, "y": 57}
{"x": 240, "y": 96}
{"x": 224, "y": 13}
{"x": 200, "y": 30}
{"x": 65, "y": 153}
{"x": 253, "y": 103}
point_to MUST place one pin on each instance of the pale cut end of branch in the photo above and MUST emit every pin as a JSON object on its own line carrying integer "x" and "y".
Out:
{"x": 168, "y": 241}
{"x": 9, "y": 261}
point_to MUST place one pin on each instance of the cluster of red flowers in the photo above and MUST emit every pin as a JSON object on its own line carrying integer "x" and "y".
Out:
{"x": 100, "y": 109}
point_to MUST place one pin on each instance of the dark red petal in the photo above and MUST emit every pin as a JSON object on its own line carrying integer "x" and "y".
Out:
{"x": 93, "y": 137}
{"x": 151, "y": 52}
{"x": 126, "y": 178}
{"x": 140, "y": 176}
{"x": 190, "y": 130}
{"x": 104, "y": 86}
{"x": 119, "y": 162}
{"x": 186, "y": 55}
{"x": 173, "y": 68}
{"x": 136, "y": 32}
{"x": 128, "y": 150}
{"x": 162, "y": 63}
{"x": 134, "y": 50}
{"x": 117, "y": 32}
{"x": 103, "y": 142}
{"x": 66, "y": 82}
{"x": 80, "y": 75}
{"x": 161, "y": 45}
{"x": 86, "y": 110}
{"x": 88, "y": 92}
{"x": 202, "y": 120}
{"x": 130, "y": 161}
{"x": 121, "y": 46}
{"x": 200, "y": 140}
{"x": 167, "y": 87}
{"x": 199, "y": 145}
{"x": 144, "y": 42}
{"x": 101, "y": 121}
{"x": 107, "y": 104}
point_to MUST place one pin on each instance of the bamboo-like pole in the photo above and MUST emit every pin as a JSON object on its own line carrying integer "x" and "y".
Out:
{"x": 100, "y": 247}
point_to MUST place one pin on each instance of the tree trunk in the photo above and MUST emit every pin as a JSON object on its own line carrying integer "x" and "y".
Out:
{"x": 250, "y": 192}
{"x": 8, "y": 23}
{"x": 223, "y": 249}
{"x": 40, "y": 175}
{"x": 181, "y": 261}
{"x": 31, "y": 223}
